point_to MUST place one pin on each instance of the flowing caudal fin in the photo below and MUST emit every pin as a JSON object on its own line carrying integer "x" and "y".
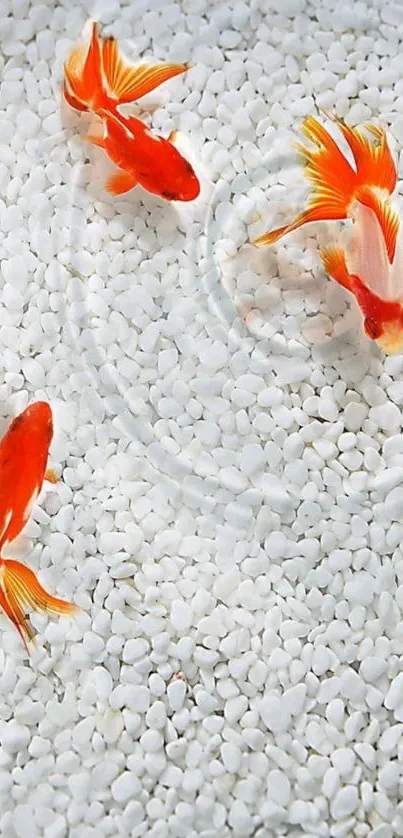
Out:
{"x": 127, "y": 82}
{"x": 17, "y": 615}
{"x": 331, "y": 176}
{"x": 386, "y": 214}
{"x": 376, "y": 176}
{"x": 373, "y": 160}
{"x": 336, "y": 184}
{"x": 98, "y": 76}
{"x": 83, "y": 83}
{"x": 20, "y": 591}
{"x": 71, "y": 100}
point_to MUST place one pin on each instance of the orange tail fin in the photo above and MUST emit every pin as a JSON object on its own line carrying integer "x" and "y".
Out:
{"x": 20, "y": 591}
{"x": 98, "y": 76}
{"x": 336, "y": 184}
{"x": 386, "y": 214}
{"x": 83, "y": 85}
{"x": 374, "y": 162}
{"x": 126, "y": 82}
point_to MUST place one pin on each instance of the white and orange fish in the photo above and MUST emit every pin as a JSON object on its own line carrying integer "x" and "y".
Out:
{"x": 370, "y": 264}
{"x": 97, "y": 78}
{"x": 23, "y": 458}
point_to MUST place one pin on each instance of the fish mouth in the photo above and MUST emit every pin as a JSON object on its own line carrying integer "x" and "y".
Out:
{"x": 186, "y": 195}
{"x": 191, "y": 193}
{"x": 169, "y": 196}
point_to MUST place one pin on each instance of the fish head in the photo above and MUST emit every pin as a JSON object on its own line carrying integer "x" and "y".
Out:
{"x": 37, "y": 421}
{"x": 383, "y": 318}
{"x": 187, "y": 186}
{"x": 383, "y": 322}
{"x": 181, "y": 182}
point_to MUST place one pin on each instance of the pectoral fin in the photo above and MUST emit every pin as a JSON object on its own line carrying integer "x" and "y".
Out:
{"x": 120, "y": 182}
{"x": 51, "y": 476}
{"x": 334, "y": 263}
{"x": 95, "y": 139}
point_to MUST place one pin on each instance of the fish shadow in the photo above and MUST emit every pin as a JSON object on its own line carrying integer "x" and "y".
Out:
{"x": 333, "y": 319}
{"x": 280, "y": 162}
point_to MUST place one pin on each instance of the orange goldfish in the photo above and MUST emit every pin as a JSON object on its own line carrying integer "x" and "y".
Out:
{"x": 23, "y": 457}
{"x": 98, "y": 79}
{"x": 370, "y": 264}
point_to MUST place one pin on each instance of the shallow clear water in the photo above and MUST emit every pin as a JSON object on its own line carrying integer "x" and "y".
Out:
{"x": 229, "y": 517}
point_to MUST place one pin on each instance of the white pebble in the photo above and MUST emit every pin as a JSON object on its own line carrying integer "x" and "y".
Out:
{"x": 394, "y": 504}
{"x": 111, "y": 542}
{"x": 343, "y": 759}
{"x": 34, "y": 372}
{"x": 176, "y": 692}
{"x": 28, "y": 123}
{"x": 181, "y": 615}
{"x": 278, "y": 787}
{"x": 344, "y": 803}
{"x": 103, "y": 682}
{"x": 388, "y": 479}
{"x": 252, "y": 459}
{"x": 125, "y": 787}
{"x": 229, "y": 514}
{"x": 394, "y": 696}
{"x": 231, "y": 757}
{"x": 14, "y": 736}
{"x": 156, "y": 715}
{"x": 273, "y": 713}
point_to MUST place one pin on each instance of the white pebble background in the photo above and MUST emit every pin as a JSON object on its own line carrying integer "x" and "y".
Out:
{"x": 230, "y": 514}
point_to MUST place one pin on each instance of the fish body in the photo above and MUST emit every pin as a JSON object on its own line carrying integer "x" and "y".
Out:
{"x": 98, "y": 79}
{"x": 23, "y": 458}
{"x": 152, "y": 165}
{"x": 370, "y": 264}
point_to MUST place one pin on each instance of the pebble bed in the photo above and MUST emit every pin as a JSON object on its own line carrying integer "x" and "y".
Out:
{"x": 231, "y": 447}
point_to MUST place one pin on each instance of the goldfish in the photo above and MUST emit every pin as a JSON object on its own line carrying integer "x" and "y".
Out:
{"x": 23, "y": 459}
{"x": 98, "y": 79}
{"x": 370, "y": 263}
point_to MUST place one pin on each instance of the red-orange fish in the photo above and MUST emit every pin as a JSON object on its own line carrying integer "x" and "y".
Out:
{"x": 98, "y": 79}
{"x": 23, "y": 458}
{"x": 370, "y": 264}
